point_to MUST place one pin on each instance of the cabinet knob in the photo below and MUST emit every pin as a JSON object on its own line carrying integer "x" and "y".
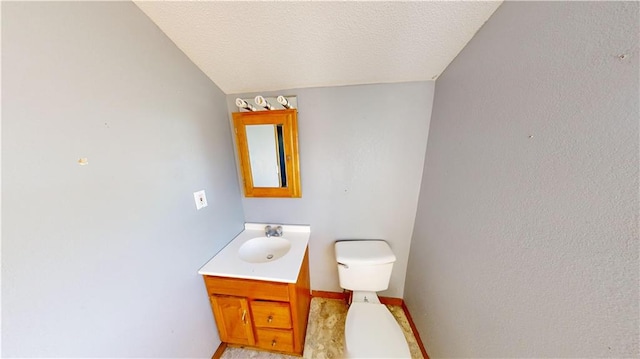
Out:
{"x": 270, "y": 319}
{"x": 273, "y": 343}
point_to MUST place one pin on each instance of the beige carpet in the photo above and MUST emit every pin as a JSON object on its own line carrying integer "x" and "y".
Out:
{"x": 325, "y": 333}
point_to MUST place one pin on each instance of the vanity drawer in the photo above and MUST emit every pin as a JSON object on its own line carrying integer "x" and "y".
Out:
{"x": 271, "y": 314}
{"x": 275, "y": 339}
{"x": 253, "y": 289}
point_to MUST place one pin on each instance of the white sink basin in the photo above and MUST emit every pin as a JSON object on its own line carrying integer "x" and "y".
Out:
{"x": 263, "y": 249}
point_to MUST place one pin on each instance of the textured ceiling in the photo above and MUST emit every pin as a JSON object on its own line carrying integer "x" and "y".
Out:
{"x": 260, "y": 46}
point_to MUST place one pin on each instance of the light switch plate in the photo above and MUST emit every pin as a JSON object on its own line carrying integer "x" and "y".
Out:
{"x": 201, "y": 199}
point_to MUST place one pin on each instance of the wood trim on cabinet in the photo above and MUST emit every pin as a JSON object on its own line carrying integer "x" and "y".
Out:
{"x": 247, "y": 288}
{"x": 300, "y": 304}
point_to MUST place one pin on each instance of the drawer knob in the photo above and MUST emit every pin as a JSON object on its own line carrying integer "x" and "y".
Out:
{"x": 273, "y": 343}
{"x": 270, "y": 319}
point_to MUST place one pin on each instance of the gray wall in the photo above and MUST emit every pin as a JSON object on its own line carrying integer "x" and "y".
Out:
{"x": 101, "y": 260}
{"x": 361, "y": 159}
{"x": 526, "y": 235}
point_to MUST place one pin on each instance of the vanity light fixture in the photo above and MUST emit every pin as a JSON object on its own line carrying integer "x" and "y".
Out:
{"x": 244, "y": 104}
{"x": 284, "y": 102}
{"x": 260, "y": 101}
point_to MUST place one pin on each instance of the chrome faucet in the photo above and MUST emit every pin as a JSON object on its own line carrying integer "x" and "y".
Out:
{"x": 273, "y": 232}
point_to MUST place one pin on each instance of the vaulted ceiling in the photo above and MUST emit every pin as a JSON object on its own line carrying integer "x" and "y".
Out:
{"x": 261, "y": 46}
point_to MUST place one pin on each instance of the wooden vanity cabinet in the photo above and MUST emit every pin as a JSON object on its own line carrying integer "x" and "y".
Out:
{"x": 267, "y": 315}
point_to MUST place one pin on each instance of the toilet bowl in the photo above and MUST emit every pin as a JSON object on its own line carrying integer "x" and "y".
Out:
{"x": 370, "y": 331}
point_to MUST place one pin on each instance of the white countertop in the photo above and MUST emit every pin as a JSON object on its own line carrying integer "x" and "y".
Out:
{"x": 227, "y": 263}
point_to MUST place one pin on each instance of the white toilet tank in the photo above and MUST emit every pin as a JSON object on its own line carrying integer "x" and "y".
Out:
{"x": 364, "y": 265}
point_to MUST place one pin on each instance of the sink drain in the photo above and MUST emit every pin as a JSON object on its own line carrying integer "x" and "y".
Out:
{"x": 269, "y": 256}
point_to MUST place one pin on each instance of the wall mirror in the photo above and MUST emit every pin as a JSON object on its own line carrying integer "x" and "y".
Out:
{"x": 267, "y": 144}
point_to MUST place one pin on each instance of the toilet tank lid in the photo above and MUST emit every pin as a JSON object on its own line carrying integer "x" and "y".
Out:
{"x": 364, "y": 252}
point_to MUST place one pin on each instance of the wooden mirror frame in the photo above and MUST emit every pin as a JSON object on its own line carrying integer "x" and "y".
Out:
{"x": 289, "y": 121}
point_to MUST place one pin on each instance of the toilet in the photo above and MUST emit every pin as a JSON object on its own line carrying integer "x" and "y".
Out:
{"x": 371, "y": 331}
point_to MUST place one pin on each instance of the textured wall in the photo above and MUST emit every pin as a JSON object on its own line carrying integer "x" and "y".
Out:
{"x": 361, "y": 158}
{"x": 100, "y": 260}
{"x": 526, "y": 235}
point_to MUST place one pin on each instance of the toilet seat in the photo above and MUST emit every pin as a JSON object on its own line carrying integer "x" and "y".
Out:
{"x": 371, "y": 331}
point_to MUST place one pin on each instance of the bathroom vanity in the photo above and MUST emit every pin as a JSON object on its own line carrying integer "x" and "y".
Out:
{"x": 259, "y": 289}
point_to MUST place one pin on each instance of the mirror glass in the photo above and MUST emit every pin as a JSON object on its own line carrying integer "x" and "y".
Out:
{"x": 266, "y": 155}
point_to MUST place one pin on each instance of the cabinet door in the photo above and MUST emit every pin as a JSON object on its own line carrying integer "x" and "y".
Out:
{"x": 233, "y": 319}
